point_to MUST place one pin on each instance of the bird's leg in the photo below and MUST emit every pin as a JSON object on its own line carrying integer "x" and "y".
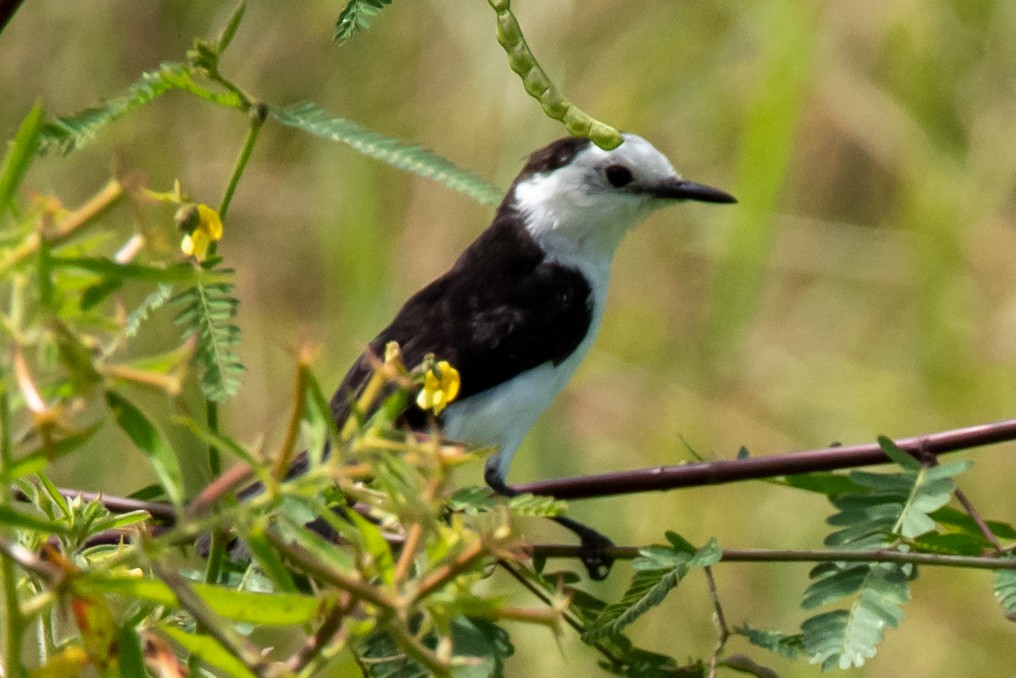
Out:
{"x": 593, "y": 544}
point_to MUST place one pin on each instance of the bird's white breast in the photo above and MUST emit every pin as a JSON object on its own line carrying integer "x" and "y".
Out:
{"x": 502, "y": 416}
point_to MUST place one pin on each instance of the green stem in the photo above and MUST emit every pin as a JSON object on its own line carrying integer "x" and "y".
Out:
{"x": 212, "y": 419}
{"x": 13, "y": 627}
{"x": 258, "y": 113}
{"x": 880, "y": 556}
{"x": 216, "y": 556}
{"x": 803, "y": 556}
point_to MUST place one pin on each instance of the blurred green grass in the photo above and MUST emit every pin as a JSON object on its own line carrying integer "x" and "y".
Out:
{"x": 862, "y": 287}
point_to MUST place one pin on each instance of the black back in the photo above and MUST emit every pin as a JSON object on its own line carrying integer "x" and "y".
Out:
{"x": 502, "y": 309}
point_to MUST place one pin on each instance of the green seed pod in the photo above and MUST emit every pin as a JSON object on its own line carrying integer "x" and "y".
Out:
{"x": 537, "y": 83}
{"x": 539, "y": 86}
{"x": 577, "y": 122}
{"x": 605, "y": 136}
{"x": 520, "y": 59}
{"x": 509, "y": 33}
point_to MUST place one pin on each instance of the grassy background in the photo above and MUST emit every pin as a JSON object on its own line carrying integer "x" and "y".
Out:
{"x": 862, "y": 286}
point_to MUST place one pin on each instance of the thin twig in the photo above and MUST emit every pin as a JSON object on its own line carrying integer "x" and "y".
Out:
{"x": 308, "y": 564}
{"x": 222, "y": 632}
{"x": 721, "y": 622}
{"x": 417, "y": 650}
{"x": 982, "y": 525}
{"x": 449, "y": 571}
{"x": 69, "y": 226}
{"x": 802, "y": 556}
{"x": 284, "y": 458}
{"x": 569, "y": 617}
{"x": 323, "y": 635}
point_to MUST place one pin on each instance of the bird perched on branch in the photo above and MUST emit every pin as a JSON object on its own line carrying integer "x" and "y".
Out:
{"x": 519, "y": 309}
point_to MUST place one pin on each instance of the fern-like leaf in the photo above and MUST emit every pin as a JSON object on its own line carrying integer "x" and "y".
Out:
{"x": 409, "y": 157}
{"x": 845, "y": 638}
{"x": 152, "y": 302}
{"x": 775, "y": 641}
{"x": 1005, "y": 591}
{"x": 206, "y": 313}
{"x": 66, "y": 134}
{"x": 886, "y": 510}
{"x": 357, "y": 16}
{"x": 658, "y": 571}
{"x": 891, "y": 506}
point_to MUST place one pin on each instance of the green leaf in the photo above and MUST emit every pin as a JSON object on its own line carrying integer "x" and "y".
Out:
{"x": 18, "y": 157}
{"x": 540, "y": 506}
{"x": 829, "y": 484}
{"x": 207, "y": 313}
{"x": 960, "y": 520}
{"x": 649, "y": 586}
{"x": 76, "y": 357}
{"x": 268, "y": 560}
{"x": 321, "y": 427}
{"x": 1005, "y": 592}
{"x": 953, "y": 543}
{"x": 131, "y": 658}
{"x": 408, "y": 157}
{"x": 143, "y": 312}
{"x": 220, "y": 441}
{"x": 372, "y": 542}
{"x": 129, "y": 271}
{"x": 845, "y": 638}
{"x": 898, "y": 455}
{"x": 69, "y": 133}
{"x": 152, "y": 444}
{"x": 29, "y": 521}
{"x": 120, "y": 521}
{"x": 226, "y": 36}
{"x": 357, "y": 17}
{"x": 473, "y": 500}
{"x": 679, "y": 543}
{"x": 209, "y": 651}
{"x": 38, "y": 459}
{"x": 647, "y": 589}
{"x": 775, "y": 641}
{"x": 267, "y": 609}
{"x": 97, "y": 293}
{"x": 322, "y": 550}
{"x": 480, "y": 647}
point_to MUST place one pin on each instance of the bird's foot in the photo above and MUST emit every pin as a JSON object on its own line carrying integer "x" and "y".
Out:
{"x": 592, "y": 550}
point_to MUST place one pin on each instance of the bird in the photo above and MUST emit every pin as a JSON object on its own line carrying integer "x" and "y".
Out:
{"x": 518, "y": 310}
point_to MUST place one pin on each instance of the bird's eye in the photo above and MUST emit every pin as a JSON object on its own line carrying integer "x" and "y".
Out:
{"x": 618, "y": 175}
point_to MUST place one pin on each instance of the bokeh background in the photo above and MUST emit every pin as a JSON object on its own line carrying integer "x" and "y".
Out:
{"x": 864, "y": 285}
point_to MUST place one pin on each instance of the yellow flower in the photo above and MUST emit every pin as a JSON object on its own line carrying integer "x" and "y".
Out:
{"x": 202, "y": 226}
{"x": 440, "y": 387}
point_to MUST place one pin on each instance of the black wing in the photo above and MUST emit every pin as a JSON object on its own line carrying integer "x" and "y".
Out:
{"x": 501, "y": 310}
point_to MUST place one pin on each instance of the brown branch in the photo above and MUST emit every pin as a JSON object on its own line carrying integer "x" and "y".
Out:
{"x": 698, "y": 474}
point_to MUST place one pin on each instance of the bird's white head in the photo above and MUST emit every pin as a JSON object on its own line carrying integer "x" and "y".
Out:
{"x": 579, "y": 200}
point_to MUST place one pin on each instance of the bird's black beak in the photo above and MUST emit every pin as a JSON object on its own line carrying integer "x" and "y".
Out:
{"x": 679, "y": 189}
